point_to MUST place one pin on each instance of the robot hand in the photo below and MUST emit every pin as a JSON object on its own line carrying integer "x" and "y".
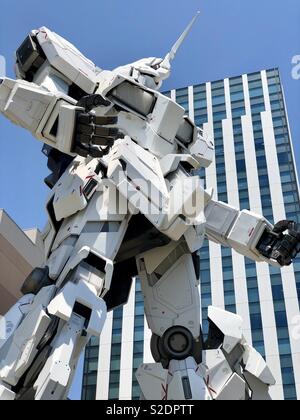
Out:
{"x": 152, "y": 71}
{"x": 282, "y": 244}
{"x": 93, "y": 136}
{"x": 149, "y": 72}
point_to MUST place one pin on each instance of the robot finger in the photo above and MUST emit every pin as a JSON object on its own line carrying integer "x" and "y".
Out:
{"x": 89, "y": 150}
{"x": 103, "y": 141}
{"x": 87, "y": 140}
{"x": 87, "y": 118}
{"x": 106, "y": 131}
{"x": 105, "y": 120}
{"x": 97, "y": 130}
{"x": 282, "y": 226}
{"x": 91, "y": 102}
{"x": 296, "y": 231}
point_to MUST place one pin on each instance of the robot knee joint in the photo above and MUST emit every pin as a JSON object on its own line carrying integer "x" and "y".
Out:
{"x": 177, "y": 343}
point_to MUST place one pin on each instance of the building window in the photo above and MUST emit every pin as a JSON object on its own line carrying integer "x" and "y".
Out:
{"x": 138, "y": 349}
{"x": 90, "y": 370}
{"x": 182, "y": 98}
{"x": 283, "y": 333}
{"x": 254, "y": 307}
{"x": 205, "y": 282}
{"x": 116, "y": 348}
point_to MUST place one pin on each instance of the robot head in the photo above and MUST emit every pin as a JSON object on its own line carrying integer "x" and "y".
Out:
{"x": 159, "y": 69}
{"x": 151, "y": 72}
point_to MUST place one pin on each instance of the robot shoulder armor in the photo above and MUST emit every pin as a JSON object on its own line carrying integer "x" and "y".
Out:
{"x": 68, "y": 60}
{"x": 42, "y": 45}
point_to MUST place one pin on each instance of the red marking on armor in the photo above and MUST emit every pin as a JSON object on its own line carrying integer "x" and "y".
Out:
{"x": 250, "y": 234}
{"x": 209, "y": 387}
{"x": 165, "y": 389}
{"x": 90, "y": 177}
{"x": 45, "y": 33}
{"x": 81, "y": 190}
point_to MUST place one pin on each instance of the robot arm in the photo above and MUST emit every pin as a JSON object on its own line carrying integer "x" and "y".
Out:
{"x": 252, "y": 235}
{"x": 52, "y": 76}
{"x": 56, "y": 119}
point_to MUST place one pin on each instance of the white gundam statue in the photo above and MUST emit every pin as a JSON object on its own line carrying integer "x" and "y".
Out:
{"x": 126, "y": 201}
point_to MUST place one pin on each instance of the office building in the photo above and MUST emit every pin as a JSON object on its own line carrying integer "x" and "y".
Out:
{"x": 20, "y": 252}
{"x": 254, "y": 169}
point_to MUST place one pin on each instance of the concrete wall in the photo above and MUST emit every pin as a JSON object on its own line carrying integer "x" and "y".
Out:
{"x": 19, "y": 253}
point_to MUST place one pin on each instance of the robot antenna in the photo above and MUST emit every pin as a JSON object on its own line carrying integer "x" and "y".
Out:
{"x": 172, "y": 54}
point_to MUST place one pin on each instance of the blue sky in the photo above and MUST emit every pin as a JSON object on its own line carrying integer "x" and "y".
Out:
{"x": 232, "y": 37}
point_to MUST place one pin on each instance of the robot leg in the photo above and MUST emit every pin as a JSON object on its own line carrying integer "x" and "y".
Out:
{"x": 182, "y": 381}
{"x": 9, "y": 324}
{"x": 233, "y": 370}
{"x": 29, "y": 322}
{"x": 72, "y": 294}
{"x": 82, "y": 314}
{"x": 38, "y": 361}
{"x": 84, "y": 267}
{"x": 13, "y": 318}
{"x": 172, "y": 306}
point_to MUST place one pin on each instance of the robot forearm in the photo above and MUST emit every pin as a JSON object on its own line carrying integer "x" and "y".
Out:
{"x": 252, "y": 235}
{"x": 49, "y": 117}
{"x": 57, "y": 119}
{"x": 240, "y": 230}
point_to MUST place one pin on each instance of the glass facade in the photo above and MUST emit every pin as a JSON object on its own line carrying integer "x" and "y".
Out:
{"x": 205, "y": 282}
{"x": 219, "y": 114}
{"x": 200, "y": 105}
{"x": 182, "y": 98}
{"x": 237, "y": 103}
{"x": 115, "y": 361}
{"x": 138, "y": 349}
{"x": 90, "y": 370}
{"x": 292, "y": 208}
